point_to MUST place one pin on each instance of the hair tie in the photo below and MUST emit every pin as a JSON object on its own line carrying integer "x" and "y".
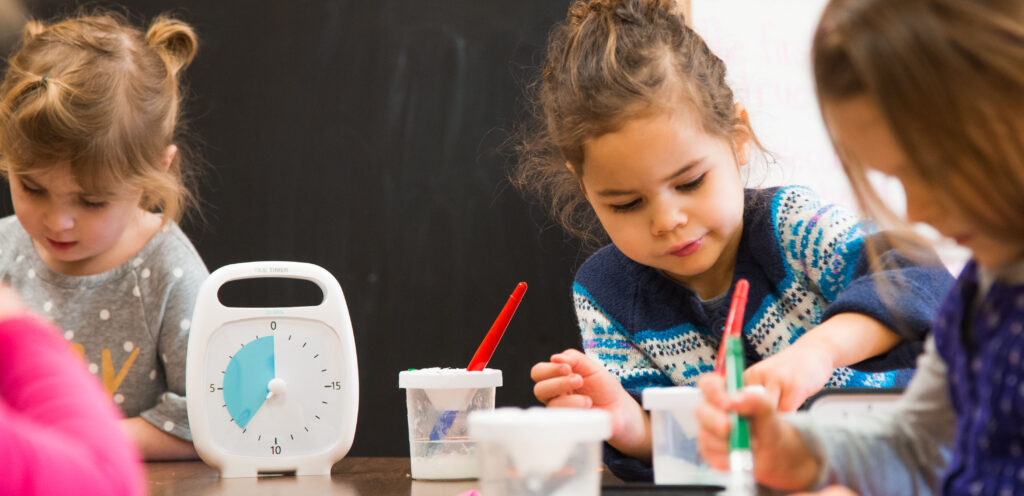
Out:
{"x": 45, "y": 82}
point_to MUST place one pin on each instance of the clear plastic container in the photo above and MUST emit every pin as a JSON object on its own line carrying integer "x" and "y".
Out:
{"x": 438, "y": 402}
{"x": 674, "y": 438}
{"x": 540, "y": 451}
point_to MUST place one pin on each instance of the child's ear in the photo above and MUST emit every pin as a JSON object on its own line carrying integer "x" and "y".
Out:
{"x": 169, "y": 153}
{"x": 579, "y": 181}
{"x": 743, "y": 138}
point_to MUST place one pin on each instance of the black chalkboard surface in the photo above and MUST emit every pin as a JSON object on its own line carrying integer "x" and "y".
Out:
{"x": 363, "y": 137}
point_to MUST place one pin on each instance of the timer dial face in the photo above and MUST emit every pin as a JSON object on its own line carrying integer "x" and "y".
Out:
{"x": 274, "y": 387}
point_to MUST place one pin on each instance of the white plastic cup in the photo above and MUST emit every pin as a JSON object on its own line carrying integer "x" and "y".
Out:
{"x": 438, "y": 402}
{"x": 674, "y": 438}
{"x": 540, "y": 451}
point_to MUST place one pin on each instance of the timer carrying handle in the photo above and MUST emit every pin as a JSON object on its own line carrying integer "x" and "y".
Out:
{"x": 328, "y": 285}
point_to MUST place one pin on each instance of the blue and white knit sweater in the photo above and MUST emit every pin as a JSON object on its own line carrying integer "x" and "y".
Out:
{"x": 805, "y": 262}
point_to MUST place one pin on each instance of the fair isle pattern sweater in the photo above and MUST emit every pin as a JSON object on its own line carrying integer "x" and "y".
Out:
{"x": 805, "y": 261}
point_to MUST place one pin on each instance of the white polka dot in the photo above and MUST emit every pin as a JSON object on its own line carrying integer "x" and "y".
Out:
{"x": 168, "y": 426}
{"x": 48, "y": 306}
{"x": 118, "y": 398}
{"x": 137, "y": 262}
{"x": 129, "y": 346}
{"x": 1006, "y": 405}
{"x": 20, "y": 258}
{"x": 993, "y": 319}
{"x": 178, "y": 272}
{"x": 1006, "y": 491}
{"x": 1015, "y": 450}
{"x": 1011, "y": 380}
{"x": 976, "y": 365}
{"x": 104, "y": 314}
{"x": 1014, "y": 357}
{"x": 94, "y": 368}
{"x": 31, "y": 273}
{"x": 1016, "y": 327}
{"x": 145, "y": 273}
{"x": 69, "y": 335}
{"x": 136, "y": 291}
{"x": 977, "y": 486}
{"x": 185, "y": 324}
{"x": 1020, "y": 474}
{"x": 152, "y": 374}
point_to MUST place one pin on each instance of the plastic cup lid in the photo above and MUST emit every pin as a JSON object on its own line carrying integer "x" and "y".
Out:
{"x": 438, "y": 378}
{"x": 510, "y": 424}
{"x": 670, "y": 398}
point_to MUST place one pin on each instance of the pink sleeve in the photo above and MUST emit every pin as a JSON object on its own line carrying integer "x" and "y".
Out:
{"x": 59, "y": 431}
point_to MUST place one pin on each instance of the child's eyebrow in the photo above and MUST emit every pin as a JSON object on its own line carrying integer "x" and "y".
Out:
{"x": 682, "y": 170}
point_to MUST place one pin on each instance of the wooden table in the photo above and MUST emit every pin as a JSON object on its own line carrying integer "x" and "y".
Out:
{"x": 353, "y": 476}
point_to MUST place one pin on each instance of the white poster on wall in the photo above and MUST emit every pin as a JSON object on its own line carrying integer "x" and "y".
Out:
{"x": 766, "y": 47}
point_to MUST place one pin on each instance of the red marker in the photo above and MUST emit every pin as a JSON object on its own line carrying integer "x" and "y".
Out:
{"x": 490, "y": 342}
{"x": 734, "y": 322}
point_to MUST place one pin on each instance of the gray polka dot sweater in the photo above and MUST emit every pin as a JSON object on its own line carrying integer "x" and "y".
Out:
{"x": 130, "y": 324}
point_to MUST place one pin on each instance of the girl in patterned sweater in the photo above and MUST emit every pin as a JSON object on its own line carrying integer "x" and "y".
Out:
{"x": 929, "y": 92}
{"x": 641, "y": 137}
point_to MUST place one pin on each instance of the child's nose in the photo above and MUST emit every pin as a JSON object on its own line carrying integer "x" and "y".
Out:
{"x": 668, "y": 218}
{"x": 59, "y": 219}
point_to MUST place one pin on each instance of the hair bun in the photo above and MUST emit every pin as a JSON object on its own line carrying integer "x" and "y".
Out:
{"x": 175, "y": 40}
{"x": 31, "y": 30}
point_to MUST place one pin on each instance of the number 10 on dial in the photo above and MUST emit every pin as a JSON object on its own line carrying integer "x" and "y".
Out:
{"x": 272, "y": 389}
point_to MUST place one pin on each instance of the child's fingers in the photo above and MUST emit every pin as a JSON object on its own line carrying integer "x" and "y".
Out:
{"x": 580, "y": 363}
{"x": 713, "y": 388}
{"x": 548, "y": 370}
{"x": 571, "y": 401}
{"x": 714, "y": 449}
{"x": 712, "y": 420}
{"x": 549, "y": 389}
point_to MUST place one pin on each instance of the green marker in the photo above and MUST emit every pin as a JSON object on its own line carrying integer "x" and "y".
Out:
{"x": 741, "y": 459}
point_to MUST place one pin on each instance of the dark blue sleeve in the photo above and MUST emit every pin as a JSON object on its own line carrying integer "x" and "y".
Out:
{"x": 903, "y": 293}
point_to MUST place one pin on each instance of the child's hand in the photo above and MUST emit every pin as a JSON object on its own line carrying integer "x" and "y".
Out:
{"x": 573, "y": 380}
{"x": 781, "y": 459}
{"x": 10, "y": 303}
{"x": 791, "y": 375}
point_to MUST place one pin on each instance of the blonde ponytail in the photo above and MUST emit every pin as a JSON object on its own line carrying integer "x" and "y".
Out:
{"x": 175, "y": 41}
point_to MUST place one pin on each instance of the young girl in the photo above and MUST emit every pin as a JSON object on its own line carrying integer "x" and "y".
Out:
{"x": 88, "y": 114}
{"x": 929, "y": 92}
{"x": 640, "y": 128}
{"x": 45, "y": 448}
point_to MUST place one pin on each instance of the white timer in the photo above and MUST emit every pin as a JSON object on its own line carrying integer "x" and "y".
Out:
{"x": 272, "y": 390}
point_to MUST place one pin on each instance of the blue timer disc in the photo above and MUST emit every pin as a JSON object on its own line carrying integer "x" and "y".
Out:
{"x": 246, "y": 379}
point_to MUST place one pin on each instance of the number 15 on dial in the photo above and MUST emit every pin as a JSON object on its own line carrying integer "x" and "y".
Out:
{"x": 272, "y": 390}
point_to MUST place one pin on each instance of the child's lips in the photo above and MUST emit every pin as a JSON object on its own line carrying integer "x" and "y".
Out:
{"x": 686, "y": 249}
{"x": 61, "y": 245}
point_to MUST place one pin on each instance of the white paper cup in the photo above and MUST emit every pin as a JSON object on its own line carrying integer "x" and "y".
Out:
{"x": 438, "y": 402}
{"x": 549, "y": 451}
{"x": 674, "y": 437}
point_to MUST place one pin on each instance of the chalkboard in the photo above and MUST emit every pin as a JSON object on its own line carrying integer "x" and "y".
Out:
{"x": 363, "y": 137}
